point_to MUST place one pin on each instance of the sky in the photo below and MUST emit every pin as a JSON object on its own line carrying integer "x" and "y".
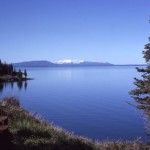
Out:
{"x": 113, "y": 31}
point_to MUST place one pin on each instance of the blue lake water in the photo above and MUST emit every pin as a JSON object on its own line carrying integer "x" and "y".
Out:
{"x": 89, "y": 101}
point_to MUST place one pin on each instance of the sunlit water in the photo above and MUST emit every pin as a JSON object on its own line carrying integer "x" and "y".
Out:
{"x": 89, "y": 101}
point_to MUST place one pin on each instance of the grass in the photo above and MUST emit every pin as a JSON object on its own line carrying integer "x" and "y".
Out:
{"x": 32, "y": 132}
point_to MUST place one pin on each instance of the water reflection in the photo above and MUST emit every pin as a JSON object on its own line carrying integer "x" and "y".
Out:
{"x": 25, "y": 85}
{"x": 20, "y": 84}
{"x": 12, "y": 84}
{"x": 1, "y": 87}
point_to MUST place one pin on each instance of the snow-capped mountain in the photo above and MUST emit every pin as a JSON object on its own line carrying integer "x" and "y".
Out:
{"x": 79, "y": 62}
{"x": 69, "y": 61}
{"x": 60, "y": 63}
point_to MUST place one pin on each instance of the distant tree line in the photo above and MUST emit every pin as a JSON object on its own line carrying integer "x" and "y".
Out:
{"x": 8, "y": 69}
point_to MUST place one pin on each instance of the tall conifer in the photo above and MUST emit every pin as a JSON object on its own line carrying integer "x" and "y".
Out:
{"x": 142, "y": 91}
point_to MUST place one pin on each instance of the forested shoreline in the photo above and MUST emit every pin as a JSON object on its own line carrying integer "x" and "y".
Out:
{"x": 8, "y": 73}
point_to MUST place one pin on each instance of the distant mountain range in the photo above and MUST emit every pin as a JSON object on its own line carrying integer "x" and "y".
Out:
{"x": 33, "y": 64}
{"x": 67, "y": 63}
{"x": 60, "y": 63}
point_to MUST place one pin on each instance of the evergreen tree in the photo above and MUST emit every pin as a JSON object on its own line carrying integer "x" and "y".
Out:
{"x": 1, "y": 67}
{"x": 142, "y": 92}
{"x": 25, "y": 73}
{"x": 14, "y": 72}
{"x": 8, "y": 69}
{"x": 19, "y": 74}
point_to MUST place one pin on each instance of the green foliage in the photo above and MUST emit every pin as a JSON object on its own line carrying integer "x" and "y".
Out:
{"x": 6, "y": 69}
{"x": 142, "y": 92}
{"x": 147, "y": 52}
{"x": 25, "y": 73}
{"x": 19, "y": 74}
{"x": 7, "y": 72}
{"x": 11, "y": 101}
{"x": 143, "y": 84}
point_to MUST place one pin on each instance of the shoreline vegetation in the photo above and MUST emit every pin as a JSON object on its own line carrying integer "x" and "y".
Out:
{"x": 9, "y": 74}
{"x": 31, "y": 132}
{"x": 9, "y": 78}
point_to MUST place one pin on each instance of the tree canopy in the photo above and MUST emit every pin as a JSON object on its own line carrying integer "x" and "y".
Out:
{"x": 142, "y": 91}
{"x": 8, "y": 69}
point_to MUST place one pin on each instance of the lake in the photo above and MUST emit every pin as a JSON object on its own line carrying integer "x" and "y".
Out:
{"x": 88, "y": 101}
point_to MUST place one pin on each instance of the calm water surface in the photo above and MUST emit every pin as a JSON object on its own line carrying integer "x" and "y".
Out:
{"x": 89, "y": 101}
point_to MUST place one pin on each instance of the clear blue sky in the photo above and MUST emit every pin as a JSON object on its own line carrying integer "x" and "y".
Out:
{"x": 112, "y": 31}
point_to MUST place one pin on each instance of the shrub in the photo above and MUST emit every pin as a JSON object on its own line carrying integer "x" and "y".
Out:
{"x": 10, "y": 101}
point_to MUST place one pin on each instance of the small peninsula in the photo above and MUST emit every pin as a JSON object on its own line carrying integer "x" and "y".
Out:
{"x": 9, "y": 74}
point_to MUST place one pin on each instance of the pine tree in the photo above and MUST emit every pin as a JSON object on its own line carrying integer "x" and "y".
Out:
{"x": 25, "y": 73}
{"x": 19, "y": 74}
{"x": 142, "y": 92}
